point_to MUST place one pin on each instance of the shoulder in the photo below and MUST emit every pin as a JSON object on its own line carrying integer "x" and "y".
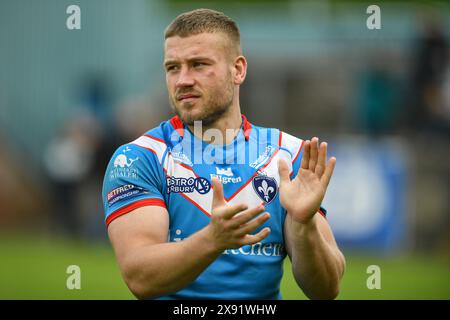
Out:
{"x": 276, "y": 137}
{"x": 290, "y": 143}
{"x": 151, "y": 144}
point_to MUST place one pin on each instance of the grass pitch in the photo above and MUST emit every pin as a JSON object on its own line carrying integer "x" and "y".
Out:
{"x": 35, "y": 268}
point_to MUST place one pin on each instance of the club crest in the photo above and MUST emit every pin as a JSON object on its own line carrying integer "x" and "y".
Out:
{"x": 265, "y": 187}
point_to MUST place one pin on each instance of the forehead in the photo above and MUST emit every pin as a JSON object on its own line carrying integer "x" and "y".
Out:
{"x": 211, "y": 45}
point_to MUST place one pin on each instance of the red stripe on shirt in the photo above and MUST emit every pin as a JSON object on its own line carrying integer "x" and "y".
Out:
{"x": 154, "y": 138}
{"x": 133, "y": 206}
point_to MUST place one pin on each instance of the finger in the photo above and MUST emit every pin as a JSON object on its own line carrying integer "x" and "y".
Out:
{"x": 283, "y": 171}
{"x": 314, "y": 154}
{"x": 328, "y": 171}
{"x": 250, "y": 239}
{"x": 229, "y": 212}
{"x": 253, "y": 225}
{"x": 247, "y": 216}
{"x": 322, "y": 158}
{"x": 218, "y": 198}
{"x": 305, "y": 157}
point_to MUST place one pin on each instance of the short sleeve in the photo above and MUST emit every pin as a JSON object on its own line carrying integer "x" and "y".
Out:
{"x": 133, "y": 179}
{"x": 293, "y": 147}
{"x": 296, "y": 159}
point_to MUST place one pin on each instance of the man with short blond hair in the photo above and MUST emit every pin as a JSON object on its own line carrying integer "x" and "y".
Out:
{"x": 208, "y": 205}
{"x": 205, "y": 21}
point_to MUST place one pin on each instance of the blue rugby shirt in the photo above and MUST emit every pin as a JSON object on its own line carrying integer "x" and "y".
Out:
{"x": 170, "y": 167}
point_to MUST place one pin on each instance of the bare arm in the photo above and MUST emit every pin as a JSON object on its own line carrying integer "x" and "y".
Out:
{"x": 152, "y": 267}
{"x": 317, "y": 263}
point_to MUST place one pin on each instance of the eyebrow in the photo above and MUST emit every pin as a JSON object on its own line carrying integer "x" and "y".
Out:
{"x": 197, "y": 58}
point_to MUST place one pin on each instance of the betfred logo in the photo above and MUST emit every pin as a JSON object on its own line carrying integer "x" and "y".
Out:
{"x": 123, "y": 192}
{"x": 119, "y": 190}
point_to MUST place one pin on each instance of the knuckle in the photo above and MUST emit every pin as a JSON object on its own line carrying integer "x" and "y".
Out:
{"x": 245, "y": 230}
{"x": 242, "y": 232}
{"x": 248, "y": 240}
{"x": 226, "y": 227}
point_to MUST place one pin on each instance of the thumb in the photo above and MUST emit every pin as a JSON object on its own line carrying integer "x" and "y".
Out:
{"x": 283, "y": 171}
{"x": 218, "y": 198}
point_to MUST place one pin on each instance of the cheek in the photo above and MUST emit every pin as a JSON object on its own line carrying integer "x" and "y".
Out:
{"x": 170, "y": 83}
{"x": 208, "y": 76}
{"x": 214, "y": 80}
{"x": 206, "y": 81}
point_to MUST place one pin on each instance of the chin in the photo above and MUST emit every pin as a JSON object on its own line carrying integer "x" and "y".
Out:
{"x": 191, "y": 115}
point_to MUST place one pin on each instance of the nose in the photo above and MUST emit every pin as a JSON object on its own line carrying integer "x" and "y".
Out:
{"x": 185, "y": 78}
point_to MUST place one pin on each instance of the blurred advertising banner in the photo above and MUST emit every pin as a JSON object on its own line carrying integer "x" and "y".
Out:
{"x": 368, "y": 194}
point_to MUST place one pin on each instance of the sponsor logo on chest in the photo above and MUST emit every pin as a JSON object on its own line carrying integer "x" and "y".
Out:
{"x": 188, "y": 185}
{"x": 181, "y": 157}
{"x": 263, "y": 157}
{"x": 225, "y": 175}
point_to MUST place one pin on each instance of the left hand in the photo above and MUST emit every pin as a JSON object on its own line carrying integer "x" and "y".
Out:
{"x": 302, "y": 196}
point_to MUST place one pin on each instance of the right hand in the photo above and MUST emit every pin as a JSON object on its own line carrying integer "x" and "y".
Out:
{"x": 231, "y": 225}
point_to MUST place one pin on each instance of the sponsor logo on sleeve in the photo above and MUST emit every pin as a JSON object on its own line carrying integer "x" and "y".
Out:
{"x": 124, "y": 192}
{"x": 123, "y": 167}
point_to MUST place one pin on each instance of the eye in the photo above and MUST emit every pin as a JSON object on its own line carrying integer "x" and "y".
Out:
{"x": 199, "y": 64}
{"x": 171, "y": 68}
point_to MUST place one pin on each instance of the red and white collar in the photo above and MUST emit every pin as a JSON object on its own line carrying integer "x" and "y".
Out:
{"x": 178, "y": 125}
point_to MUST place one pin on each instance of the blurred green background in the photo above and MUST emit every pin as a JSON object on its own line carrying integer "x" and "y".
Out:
{"x": 35, "y": 268}
{"x": 381, "y": 98}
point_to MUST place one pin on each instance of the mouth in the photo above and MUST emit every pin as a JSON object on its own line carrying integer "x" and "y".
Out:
{"x": 187, "y": 97}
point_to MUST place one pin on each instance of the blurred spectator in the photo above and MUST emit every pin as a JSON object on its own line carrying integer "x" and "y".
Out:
{"x": 377, "y": 100}
{"x": 426, "y": 98}
{"x": 429, "y": 116}
{"x": 76, "y": 158}
{"x": 69, "y": 160}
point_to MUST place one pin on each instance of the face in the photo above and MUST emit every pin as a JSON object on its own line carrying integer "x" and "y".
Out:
{"x": 199, "y": 77}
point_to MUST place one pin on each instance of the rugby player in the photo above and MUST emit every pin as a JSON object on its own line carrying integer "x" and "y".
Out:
{"x": 208, "y": 205}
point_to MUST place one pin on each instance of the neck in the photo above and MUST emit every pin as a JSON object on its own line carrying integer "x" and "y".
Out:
{"x": 224, "y": 130}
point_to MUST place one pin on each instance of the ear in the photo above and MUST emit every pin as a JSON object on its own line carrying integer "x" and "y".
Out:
{"x": 240, "y": 70}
